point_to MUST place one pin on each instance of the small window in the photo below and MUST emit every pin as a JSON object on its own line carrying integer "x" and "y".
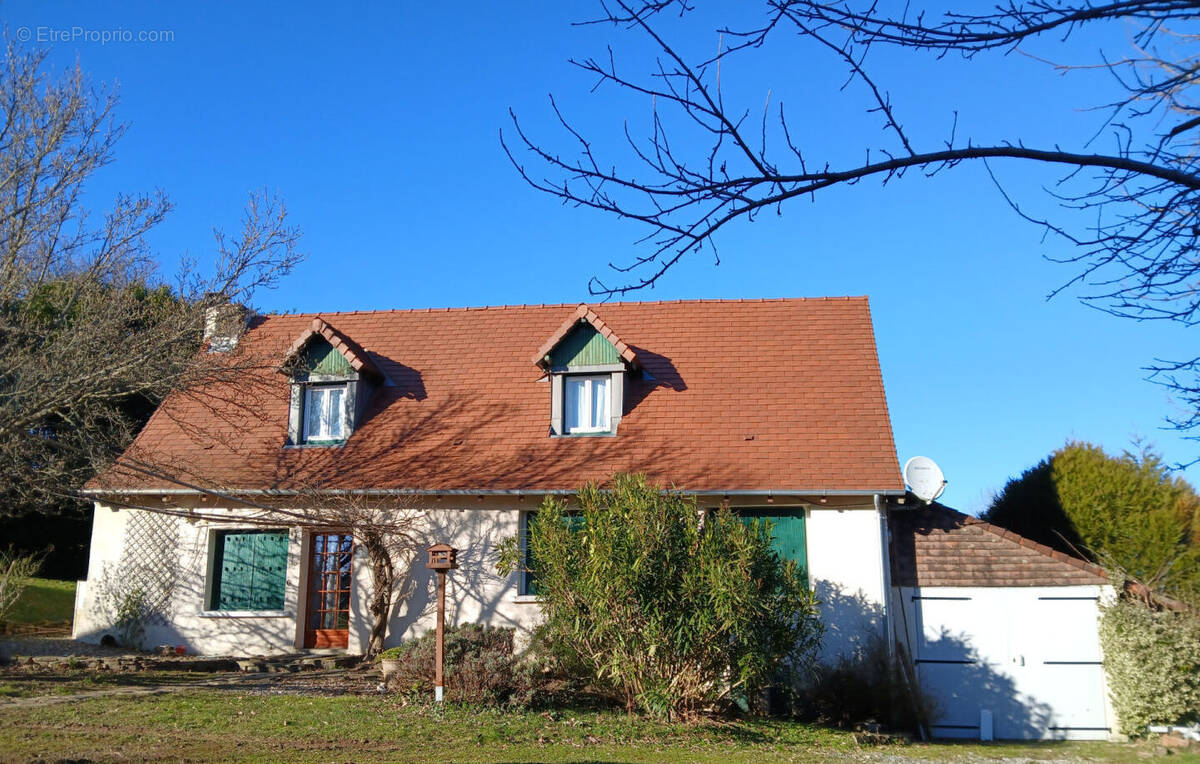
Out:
{"x": 528, "y": 585}
{"x": 249, "y": 570}
{"x": 586, "y": 406}
{"x": 324, "y": 413}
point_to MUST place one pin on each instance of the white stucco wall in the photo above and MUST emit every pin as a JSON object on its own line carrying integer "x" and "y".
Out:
{"x": 846, "y": 569}
{"x": 187, "y": 620}
{"x": 475, "y": 593}
{"x": 844, "y": 557}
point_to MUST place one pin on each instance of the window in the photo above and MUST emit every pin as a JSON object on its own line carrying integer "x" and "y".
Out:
{"x": 324, "y": 413}
{"x": 528, "y": 584}
{"x": 586, "y": 406}
{"x": 249, "y": 570}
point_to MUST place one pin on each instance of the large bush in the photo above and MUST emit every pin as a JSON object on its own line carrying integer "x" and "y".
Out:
{"x": 1127, "y": 512}
{"x": 1152, "y": 659}
{"x": 670, "y": 610}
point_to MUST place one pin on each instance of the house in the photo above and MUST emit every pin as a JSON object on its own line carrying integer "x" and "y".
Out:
{"x": 466, "y": 419}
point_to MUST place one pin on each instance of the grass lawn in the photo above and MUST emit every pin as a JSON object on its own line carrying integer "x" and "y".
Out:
{"x": 45, "y": 600}
{"x": 211, "y": 725}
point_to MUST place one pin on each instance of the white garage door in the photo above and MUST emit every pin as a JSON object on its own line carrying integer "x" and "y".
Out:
{"x": 1030, "y": 656}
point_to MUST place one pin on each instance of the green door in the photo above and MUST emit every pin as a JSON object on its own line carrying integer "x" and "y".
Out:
{"x": 787, "y": 532}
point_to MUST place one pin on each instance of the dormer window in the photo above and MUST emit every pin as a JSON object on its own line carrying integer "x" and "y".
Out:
{"x": 586, "y": 404}
{"x": 333, "y": 379}
{"x": 586, "y": 364}
{"x": 325, "y": 413}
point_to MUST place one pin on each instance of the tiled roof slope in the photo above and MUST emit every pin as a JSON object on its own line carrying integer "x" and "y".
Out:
{"x": 781, "y": 395}
{"x": 937, "y": 546}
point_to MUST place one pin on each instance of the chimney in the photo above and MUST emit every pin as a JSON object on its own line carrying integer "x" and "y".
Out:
{"x": 224, "y": 322}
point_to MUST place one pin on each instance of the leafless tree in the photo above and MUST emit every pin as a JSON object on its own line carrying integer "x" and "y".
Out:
{"x": 704, "y": 162}
{"x": 91, "y": 334}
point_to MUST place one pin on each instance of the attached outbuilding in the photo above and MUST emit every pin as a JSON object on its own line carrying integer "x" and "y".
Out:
{"x": 1002, "y": 632}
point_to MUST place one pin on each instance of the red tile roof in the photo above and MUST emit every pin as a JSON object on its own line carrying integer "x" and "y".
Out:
{"x": 584, "y": 313}
{"x": 938, "y": 546}
{"x": 782, "y": 395}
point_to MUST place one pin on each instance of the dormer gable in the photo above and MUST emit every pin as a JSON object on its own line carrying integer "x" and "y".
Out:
{"x": 584, "y": 340}
{"x": 587, "y": 364}
{"x": 332, "y": 381}
{"x": 322, "y": 349}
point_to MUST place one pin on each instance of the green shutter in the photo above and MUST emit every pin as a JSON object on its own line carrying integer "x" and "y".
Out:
{"x": 787, "y": 532}
{"x": 574, "y": 521}
{"x": 584, "y": 346}
{"x": 251, "y": 570}
{"x": 321, "y": 358}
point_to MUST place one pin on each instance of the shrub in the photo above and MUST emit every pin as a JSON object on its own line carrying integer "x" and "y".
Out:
{"x": 669, "y": 611}
{"x": 861, "y": 689}
{"x": 1152, "y": 659}
{"x": 15, "y": 572}
{"x": 480, "y": 666}
{"x": 1127, "y": 512}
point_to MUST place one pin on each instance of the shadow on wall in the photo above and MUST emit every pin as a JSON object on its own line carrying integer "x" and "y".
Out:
{"x": 954, "y": 681}
{"x": 963, "y": 683}
{"x": 152, "y": 597}
{"x": 851, "y": 622}
{"x": 475, "y": 593}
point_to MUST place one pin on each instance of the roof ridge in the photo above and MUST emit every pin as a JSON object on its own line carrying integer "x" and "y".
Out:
{"x": 592, "y": 305}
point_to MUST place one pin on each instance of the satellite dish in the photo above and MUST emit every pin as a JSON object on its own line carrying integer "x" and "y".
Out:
{"x": 924, "y": 478}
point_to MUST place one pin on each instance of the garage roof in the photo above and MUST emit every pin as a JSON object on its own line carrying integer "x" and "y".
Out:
{"x": 939, "y": 546}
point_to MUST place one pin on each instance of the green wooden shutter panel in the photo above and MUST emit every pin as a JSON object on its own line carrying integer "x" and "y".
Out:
{"x": 787, "y": 532}
{"x": 321, "y": 358}
{"x": 252, "y": 570}
{"x": 584, "y": 346}
{"x": 529, "y": 585}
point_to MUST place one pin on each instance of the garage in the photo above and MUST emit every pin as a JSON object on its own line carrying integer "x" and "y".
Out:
{"x": 1001, "y": 631}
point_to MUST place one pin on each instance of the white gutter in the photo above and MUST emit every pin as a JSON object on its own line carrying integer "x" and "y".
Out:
{"x": 885, "y": 570}
{"x": 464, "y": 492}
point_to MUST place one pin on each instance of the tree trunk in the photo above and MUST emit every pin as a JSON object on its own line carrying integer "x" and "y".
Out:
{"x": 383, "y": 579}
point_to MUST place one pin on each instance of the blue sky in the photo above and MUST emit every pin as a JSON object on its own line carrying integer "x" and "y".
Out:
{"x": 379, "y": 127}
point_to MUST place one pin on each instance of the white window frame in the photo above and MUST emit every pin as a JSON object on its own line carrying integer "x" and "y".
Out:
{"x": 589, "y": 390}
{"x": 306, "y": 436}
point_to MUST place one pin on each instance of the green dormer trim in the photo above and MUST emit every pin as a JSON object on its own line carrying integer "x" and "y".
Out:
{"x": 583, "y": 346}
{"x": 320, "y": 357}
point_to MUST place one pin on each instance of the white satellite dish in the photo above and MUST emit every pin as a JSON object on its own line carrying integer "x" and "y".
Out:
{"x": 924, "y": 478}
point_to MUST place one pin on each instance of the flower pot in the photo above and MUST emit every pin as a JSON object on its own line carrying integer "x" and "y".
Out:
{"x": 389, "y": 667}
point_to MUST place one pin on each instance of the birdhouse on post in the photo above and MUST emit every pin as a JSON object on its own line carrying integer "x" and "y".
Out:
{"x": 442, "y": 557}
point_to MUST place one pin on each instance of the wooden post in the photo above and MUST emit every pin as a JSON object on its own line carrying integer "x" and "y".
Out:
{"x": 441, "y": 636}
{"x": 442, "y": 557}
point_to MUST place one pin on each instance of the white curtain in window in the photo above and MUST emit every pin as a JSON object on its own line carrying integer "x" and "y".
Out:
{"x": 599, "y": 403}
{"x": 585, "y": 405}
{"x": 334, "y": 413}
{"x": 313, "y": 405}
{"x": 575, "y": 410}
{"x": 324, "y": 413}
